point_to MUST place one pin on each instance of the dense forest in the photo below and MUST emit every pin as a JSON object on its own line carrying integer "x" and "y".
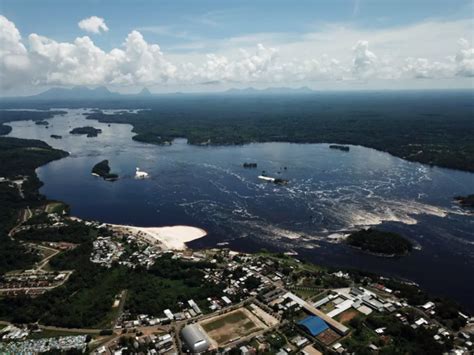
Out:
{"x": 86, "y": 299}
{"x": 380, "y": 242}
{"x": 73, "y": 232}
{"x": 431, "y": 128}
{"x": 19, "y": 157}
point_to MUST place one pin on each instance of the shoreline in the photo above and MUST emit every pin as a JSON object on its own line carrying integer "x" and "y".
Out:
{"x": 170, "y": 237}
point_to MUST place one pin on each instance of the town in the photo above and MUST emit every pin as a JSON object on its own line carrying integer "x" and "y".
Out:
{"x": 270, "y": 303}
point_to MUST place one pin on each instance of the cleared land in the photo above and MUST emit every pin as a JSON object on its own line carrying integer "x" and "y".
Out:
{"x": 231, "y": 326}
{"x": 328, "y": 337}
{"x": 346, "y": 316}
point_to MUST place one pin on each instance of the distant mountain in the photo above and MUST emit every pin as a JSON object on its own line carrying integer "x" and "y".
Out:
{"x": 270, "y": 91}
{"x": 145, "y": 93}
{"x": 76, "y": 93}
{"x": 102, "y": 93}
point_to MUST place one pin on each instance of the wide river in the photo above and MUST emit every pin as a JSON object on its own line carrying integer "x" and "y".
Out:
{"x": 329, "y": 192}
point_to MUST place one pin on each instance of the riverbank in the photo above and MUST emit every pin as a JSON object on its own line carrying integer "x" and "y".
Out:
{"x": 170, "y": 237}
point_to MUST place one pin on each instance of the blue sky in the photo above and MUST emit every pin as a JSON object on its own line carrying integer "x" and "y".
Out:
{"x": 333, "y": 44}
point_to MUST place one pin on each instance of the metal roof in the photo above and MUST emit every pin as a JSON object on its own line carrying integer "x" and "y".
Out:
{"x": 195, "y": 339}
{"x": 314, "y": 325}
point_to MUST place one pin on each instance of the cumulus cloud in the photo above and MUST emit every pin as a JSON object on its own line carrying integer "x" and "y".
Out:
{"x": 83, "y": 63}
{"x": 93, "y": 24}
{"x": 465, "y": 59}
{"x": 422, "y": 68}
{"x": 14, "y": 61}
{"x": 43, "y": 61}
{"x": 365, "y": 61}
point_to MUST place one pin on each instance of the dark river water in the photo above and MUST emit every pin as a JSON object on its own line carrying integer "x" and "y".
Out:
{"x": 329, "y": 192}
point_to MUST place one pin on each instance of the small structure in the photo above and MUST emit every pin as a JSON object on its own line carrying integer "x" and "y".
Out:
{"x": 195, "y": 339}
{"x": 310, "y": 350}
{"x": 314, "y": 325}
{"x": 168, "y": 314}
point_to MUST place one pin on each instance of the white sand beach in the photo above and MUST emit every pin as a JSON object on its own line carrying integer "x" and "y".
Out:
{"x": 171, "y": 238}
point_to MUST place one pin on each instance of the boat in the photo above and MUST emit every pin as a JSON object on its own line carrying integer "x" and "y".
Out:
{"x": 141, "y": 174}
{"x": 266, "y": 178}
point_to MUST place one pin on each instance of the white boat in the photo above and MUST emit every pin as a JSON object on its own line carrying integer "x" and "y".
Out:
{"x": 141, "y": 174}
{"x": 266, "y": 178}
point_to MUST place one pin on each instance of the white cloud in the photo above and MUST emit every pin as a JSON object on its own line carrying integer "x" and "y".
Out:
{"x": 422, "y": 68}
{"x": 14, "y": 61}
{"x": 333, "y": 54}
{"x": 93, "y": 24}
{"x": 365, "y": 61}
{"x": 465, "y": 59}
{"x": 83, "y": 63}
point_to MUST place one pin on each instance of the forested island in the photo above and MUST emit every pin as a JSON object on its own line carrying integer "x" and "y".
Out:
{"x": 465, "y": 201}
{"x": 42, "y": 123}
{"x": 343, "y": 148}
{"x": 250, "y": 165}
{"x": 87, "y": 130}
{"x": 102, "y": 169}
{"x": 380, "y": 242}
{"x": 56, "y": 136}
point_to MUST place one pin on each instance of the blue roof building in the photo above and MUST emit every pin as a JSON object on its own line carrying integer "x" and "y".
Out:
{"x": 314, "y": 325}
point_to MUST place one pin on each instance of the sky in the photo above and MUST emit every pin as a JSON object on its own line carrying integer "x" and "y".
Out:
{"x": 189, "y": 45}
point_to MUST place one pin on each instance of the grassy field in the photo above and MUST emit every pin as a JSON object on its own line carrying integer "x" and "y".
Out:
{"x": 229, "y": 326}
{"x": 55, "y": 207}
{"x": 328, "y": 307}
{"x": 306, "y": 293}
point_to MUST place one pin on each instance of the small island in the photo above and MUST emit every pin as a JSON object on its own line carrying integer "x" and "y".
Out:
{"x": 56, "y": 136}
{"x": 279, "y": 181}
{"x": 380, "y": 242}
{"x": 465, "y": 201}
{"x": 343, "y": 148}
{"x": 250, "y": 165}
{"x": 102, "y": 169}
{"x": 88, "y": 130}
{"x": 42, "y": 123}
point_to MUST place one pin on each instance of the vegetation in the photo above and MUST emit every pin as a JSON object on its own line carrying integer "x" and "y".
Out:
{"x": 465, "y": 201}
{"x": 173, "y": 280}
{"x": 103, "y": 170}
{"x": 380, "y": 242}
{"x": 87, "y": 297}
{"x": 23, "y": 156}
{"x": 434, "y": 128}
{"x": 11, "y": 116}
{"x": 403, "y": 338}
{"x": 74, "y": 232}
{"x": 19, "y": 157}
{"x": 5, "y": 129}
{"x": 87, "y": 130}
{"x": 344, "y": 148}
{"x": 250, "y": 165}
{"x": 56, "y": 136}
